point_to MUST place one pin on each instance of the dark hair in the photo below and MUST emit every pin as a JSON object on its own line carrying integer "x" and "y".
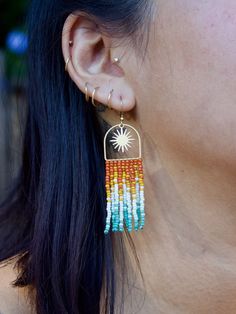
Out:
{"x": 54, "y": 217}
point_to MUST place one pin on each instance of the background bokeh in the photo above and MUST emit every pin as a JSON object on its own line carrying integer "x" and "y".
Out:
{"x": 13, "y": 84}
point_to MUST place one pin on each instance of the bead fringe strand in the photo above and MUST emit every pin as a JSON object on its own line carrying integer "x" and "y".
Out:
{"x": 125, "y": 195}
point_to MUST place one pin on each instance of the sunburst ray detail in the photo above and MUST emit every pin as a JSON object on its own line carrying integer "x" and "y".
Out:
{"x": 122, "y": 139}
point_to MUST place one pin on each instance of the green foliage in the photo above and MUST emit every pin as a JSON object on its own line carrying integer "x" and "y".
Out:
{"x": 15, "y": 67}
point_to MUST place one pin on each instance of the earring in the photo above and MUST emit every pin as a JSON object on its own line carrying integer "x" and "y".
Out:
{"x": 67, "y": 62}
{"x": 93, "y": 95}
{"x": 116, "y": 60}
{"x": 109, "y": 98}
{"x": 71, "y": 43}
{"x": 86, "y": 92}
{"x": 124, "y": 180}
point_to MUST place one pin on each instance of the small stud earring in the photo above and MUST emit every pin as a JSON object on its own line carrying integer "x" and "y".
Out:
{"x": 71, "y": 43}
{"x": 116, "y": 60}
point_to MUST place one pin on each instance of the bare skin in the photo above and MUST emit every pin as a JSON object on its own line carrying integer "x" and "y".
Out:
{"x": 185, "y": 111}
{"x": 12, "y": 300}
{"x": 181, "y": 98}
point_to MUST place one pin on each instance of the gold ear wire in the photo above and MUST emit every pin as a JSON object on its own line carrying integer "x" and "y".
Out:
{"x": 93, "y": 96}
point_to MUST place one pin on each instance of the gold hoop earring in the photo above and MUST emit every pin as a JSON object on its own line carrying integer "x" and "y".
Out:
{"x": 109, "y": 98}
{"x": 86, "y": 92}
{"x": 93, "y": 96}
{"x": 67, "y": 62}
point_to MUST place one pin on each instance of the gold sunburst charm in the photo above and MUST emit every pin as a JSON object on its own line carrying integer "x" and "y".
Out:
{"x": 122, "y": 139}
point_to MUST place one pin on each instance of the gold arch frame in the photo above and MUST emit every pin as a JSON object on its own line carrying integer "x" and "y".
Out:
{"x": 119, "y": 126}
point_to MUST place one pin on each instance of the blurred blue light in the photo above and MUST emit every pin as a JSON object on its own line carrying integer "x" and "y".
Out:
{"x": 17, "y": 42}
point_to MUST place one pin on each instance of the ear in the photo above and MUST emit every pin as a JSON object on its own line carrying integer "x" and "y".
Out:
{"x": 92, "y": 62}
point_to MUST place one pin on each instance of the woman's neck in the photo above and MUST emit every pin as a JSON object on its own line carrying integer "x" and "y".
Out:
{"x": 187, "y": 248}
{"x": 197, "y": 202}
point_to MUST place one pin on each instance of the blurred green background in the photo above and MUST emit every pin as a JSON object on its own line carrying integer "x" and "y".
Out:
{"x": 13, "y": 84}
{"x": 13, "y": 37}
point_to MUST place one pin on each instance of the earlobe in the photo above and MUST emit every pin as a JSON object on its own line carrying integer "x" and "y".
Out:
{"x": 87, "y": 55}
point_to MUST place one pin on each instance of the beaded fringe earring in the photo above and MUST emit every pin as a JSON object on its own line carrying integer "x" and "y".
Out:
{"x": 124, "y": 180}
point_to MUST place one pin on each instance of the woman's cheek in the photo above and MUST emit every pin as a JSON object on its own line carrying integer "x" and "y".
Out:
{"x": 214, "y": 23}
{"x": 192, "y": 78}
